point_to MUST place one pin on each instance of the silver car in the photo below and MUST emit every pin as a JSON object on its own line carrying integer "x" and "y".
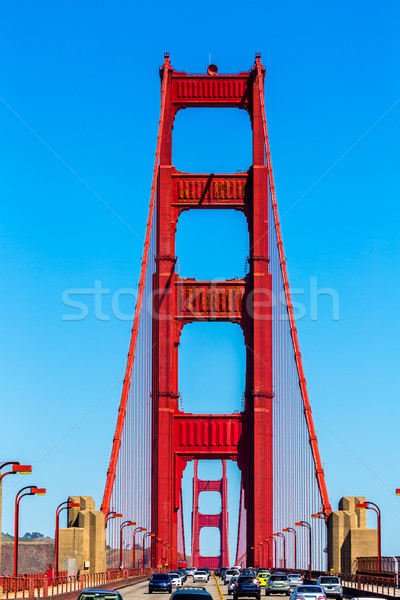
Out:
{"x": 308, "y": 592}
{"x": 295, "y": 579}
{"x": 231, "y": 584}
{"x": 200, "y": 575}
{"x": 278, "y": 583}
{"x": 229, "y": 574}
{"x": 332, "y": 586}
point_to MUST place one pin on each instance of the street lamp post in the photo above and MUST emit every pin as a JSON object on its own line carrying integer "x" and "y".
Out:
{"x": 135, "y": 531}
{"x": 281, "y": 535}
{"x": 262, "y": 553}
{"x": 121, "y": 528}
{"x": 15, "y": 468}
{"x": 291, "y": 530}
{"x": 258, "y": 553}
{"x": 33, "y": 491}
{"x": 149, "y": 534}
{"x": 375, "y": 507}
{"x": 275, "y": 544}
{"x": 111, "y": 515}
{"x": 60, "y": 507}
{"x": 267, "y": 541}
{"x": 322, "y": 515}
{"x": 308, "y": 526}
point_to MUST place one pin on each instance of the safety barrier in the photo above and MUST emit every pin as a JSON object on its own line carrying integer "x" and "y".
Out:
{"x": 40, "y": 586}
{"x": 386, "y": 586}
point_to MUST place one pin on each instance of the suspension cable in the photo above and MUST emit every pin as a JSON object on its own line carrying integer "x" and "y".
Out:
{"x": 105, "y": 507}
{"x": 293, "y": 330}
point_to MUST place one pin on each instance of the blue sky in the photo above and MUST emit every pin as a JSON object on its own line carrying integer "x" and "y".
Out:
{"x": 83, "y": 77}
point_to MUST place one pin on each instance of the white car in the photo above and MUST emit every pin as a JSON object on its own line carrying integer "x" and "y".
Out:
{"x": 229, "y": 574}
{"x": 231, "y": 584}
{"x": 331, "y": 585}
{"x": 175, "y": 578}
{"x": 200, "y": 576}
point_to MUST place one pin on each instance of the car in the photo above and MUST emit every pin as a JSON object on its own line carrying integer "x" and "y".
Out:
{"x": 222, "y": 571}
{"x": 248, "y": 586}
{"x": 278, "y": 583}
{"x": 295, "y": 579}
{"x": 231, "y": 584}
{"x": 263, "y": 577}
{"x": 217, "y": 572}
{"x": 176, "y": 578}
{"x": 183, "y": 573}
{"x": 331, "y": 585}
{"x": 160, "y": 582}
{"x": 229, "y": 574}
{"x": 94, "y": 594}
{"x": 190, "y": 570}
{"x": 249, "y": 572}
{"x": 189, "y": 593}
{"x": 308, "y": 592}
{"x": 200, "y": 575}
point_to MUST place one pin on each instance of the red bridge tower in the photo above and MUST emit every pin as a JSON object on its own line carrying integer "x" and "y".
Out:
{"x": 200, "y": 520}
{"x": 179, "y": 437}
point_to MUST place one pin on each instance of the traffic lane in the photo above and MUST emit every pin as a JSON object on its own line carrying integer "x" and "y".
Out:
{"x": 140, "y": 591}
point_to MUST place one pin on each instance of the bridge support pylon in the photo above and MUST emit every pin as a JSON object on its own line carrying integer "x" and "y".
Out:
{"x": 219, "y": 520}
{"x": 179, "y": 437}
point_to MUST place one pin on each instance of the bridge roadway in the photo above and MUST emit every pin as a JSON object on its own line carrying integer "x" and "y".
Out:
{"x": 140, "y": 591}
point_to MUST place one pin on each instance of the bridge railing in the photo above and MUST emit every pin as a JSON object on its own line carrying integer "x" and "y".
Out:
{"x": 385, "y": 585}
{"x": 40, "y": 586}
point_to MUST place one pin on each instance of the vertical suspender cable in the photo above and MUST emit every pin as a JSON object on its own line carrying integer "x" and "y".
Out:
{"x": 303, "y": 388}
{"x": 105, "y": 507}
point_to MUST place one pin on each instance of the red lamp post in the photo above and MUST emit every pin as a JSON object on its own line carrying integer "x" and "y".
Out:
{"x": 262, "y": 553}
{"x": 134, "y": 542}
{"x": 60, "y": 507}
{"x": 375, "y": 507}
{"x": 291, "y": 530}
{"x": 320, "y": 515}
{"x": 33, "y": 491}
{"x": 275, "y": 544}
{"x": 281, "y": 535}
{"x": 149, "y": 534}
{"x": 268, "y": 564}
{"x": 15, "y": 468}
{"x": 308, "y": 526}
{"x": 258, "y": 553}
{"x": 111, "y": 515}
{"x": 121, "y": 528}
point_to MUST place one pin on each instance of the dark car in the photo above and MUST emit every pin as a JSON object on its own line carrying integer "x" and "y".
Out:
{"x": 249, "y": 572}
{"x": 90, "y": 594}
{"x": 217, "y": 572}
{"x": 248, "y": 586}
{"x": 223, "y": 571}
{"x": 160, "y": 582}
{"x": 183, "y": 573}
{"x": 189, "y": 593}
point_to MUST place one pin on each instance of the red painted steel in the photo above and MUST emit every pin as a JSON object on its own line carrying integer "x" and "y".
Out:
{"x": 211, "y": 191}
{"x": 273, "y": 439}
{"x": 206, "y": 300}
{"x": 178, "y": 438}
{"x": 219, "y": 520}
